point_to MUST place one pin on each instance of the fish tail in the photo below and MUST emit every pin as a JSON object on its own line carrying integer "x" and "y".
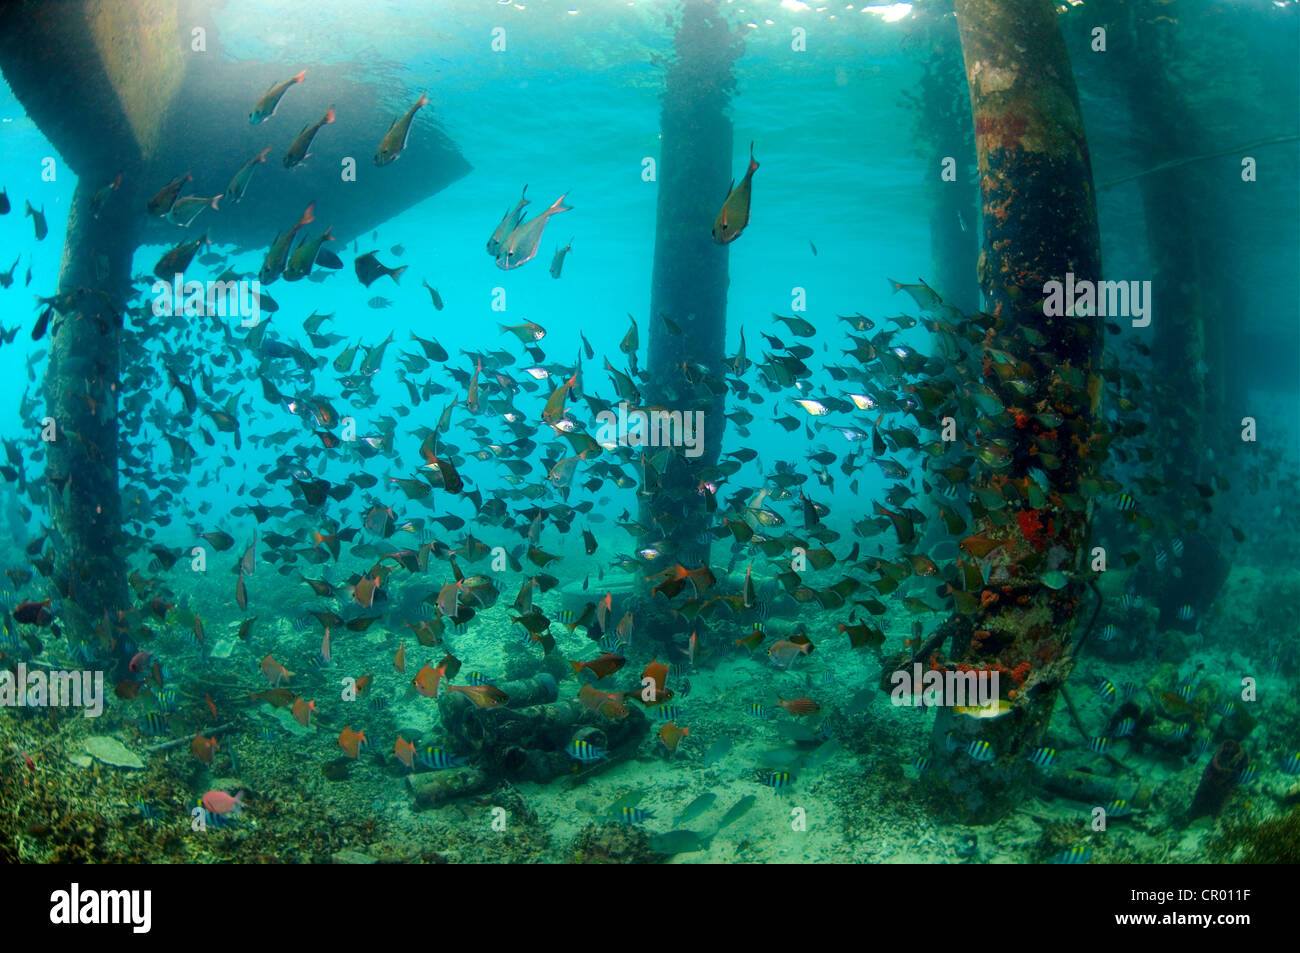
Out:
{"x": 261, "y": 156}
{"x": 329, "y": 115}
{"x": 559, "y": 206}
{"x": 213, "y": 202}
{"x": 300, "y": 77}
{"x": 422, "y": 101}
{"x": 397, "y": 272}
{"x": 308, "y": 216}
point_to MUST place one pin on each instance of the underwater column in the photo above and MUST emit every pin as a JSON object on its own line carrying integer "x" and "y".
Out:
{"x": 943, "y": 132}
{"x": 689, "y": 279}
{"x": 81, "y": 395}
{"x": 100, "y": 80}
{"x": 1039, "y": 222}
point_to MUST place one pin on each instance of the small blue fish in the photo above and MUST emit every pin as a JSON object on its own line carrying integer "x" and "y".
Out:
{"x": 758, "y": 711}
{"x": 1161, "y": 558}
{"x": 1073, "y": 855}
{"x": 1124, "y": 502}
{"x": 378, "y": 702}
{"x": 1118, "y": 808}
{"x": 1105, "y": 689}
{"x": 1227, "y": 709}
{"x": 668, "y": 712}
{"x": 585, "y": 751}
{"x": 635, "y": 815}
{"x": 168, "y": 701}
{"x": 1043, "y": 757}
{"x": 154, "y": 723}
{"x": 1176, "y": 545}
{"x": 476, "y": 679}
{"x": 219, "y": 821}
{"x": 436, "y": 759}
{"x": 1291, "y": 765}
{"x": 1198, "y": 750}
{"x": 1128, "y": 690}
{"x": 1186, "y": 613}
{"x": 1124, "y": 728}
{"x": 980, "y": 750}
{"x": 1247, "y": 774}
{"x": 1185, "y": 691}
{"x": 1108, "y": 632}
{"x": 1130, "y": 601}
{"x": 778, "y": 780}
{"x": 1100, "y": 744}
{"x": 1180, "y": 732}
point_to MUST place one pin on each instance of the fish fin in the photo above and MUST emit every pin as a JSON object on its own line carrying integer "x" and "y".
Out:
{"x": 329, "y": 115}
{"x": 300, "y": 77}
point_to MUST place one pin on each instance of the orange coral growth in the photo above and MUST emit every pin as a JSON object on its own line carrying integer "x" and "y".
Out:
{"x": 1032, "y": 527}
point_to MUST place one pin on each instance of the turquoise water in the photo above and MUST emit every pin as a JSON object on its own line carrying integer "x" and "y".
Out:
{"x": 843, "y": 200}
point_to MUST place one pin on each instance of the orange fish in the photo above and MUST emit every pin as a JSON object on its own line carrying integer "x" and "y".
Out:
{"x": 670, "y": 735}
{"x": 399, "y": 660}
{"x": 785, "y": 654}
{"x": 799, "y": 706}
{"x": 276, "y": 697}
{"x": 609, "y": 704}
{"x": 448, "y": 598}
{"x": 427, "y": 679}
{"x": 603, "y": 609}
{"x": 485, "y": 696}
{"x": 364, "y": 591}
{"x": 211, "y": 706}
{"x": 204, "y": 748}
{"x": 302, "y": 711}
{"x": 363, "y": 685}
{"x": 274, "y": 671}
{"x": 405, "y": 752}
{"x": 351, "y": 741}
{"x": 753, "y": 640}
{"x": 607, "y": 664}
{"x": 657, "y": 672}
